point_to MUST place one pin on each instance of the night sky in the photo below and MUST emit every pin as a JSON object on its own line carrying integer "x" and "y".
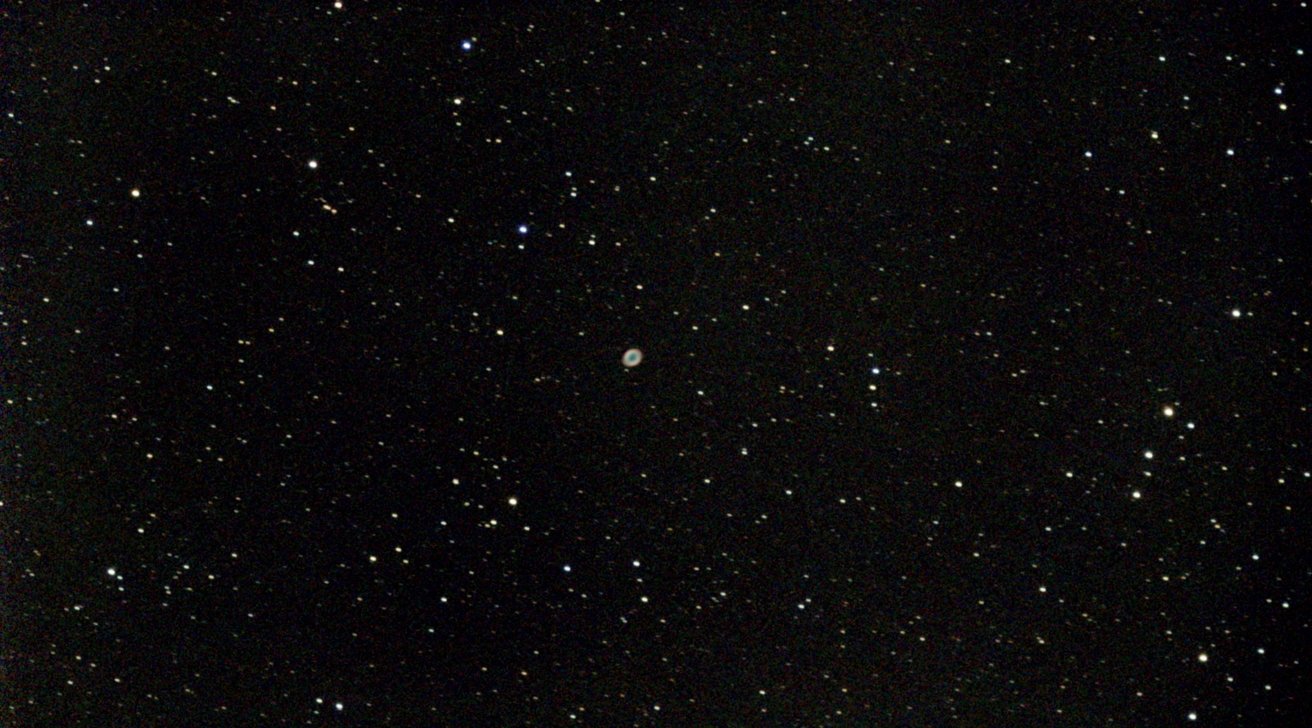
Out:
{"x": 973, "y": 352}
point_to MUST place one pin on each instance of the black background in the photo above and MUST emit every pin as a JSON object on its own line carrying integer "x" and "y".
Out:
{"x": 300, "y": 472}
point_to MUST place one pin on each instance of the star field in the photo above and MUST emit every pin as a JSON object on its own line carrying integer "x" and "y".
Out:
{"x": 606, "y": 364}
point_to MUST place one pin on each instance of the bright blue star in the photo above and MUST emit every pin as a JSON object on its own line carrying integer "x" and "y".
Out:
{"x": 466, "y": 45}
{"x": 523, "y": 229}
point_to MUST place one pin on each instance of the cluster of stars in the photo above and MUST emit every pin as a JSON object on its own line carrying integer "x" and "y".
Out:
{"x": 489, "y": 334}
